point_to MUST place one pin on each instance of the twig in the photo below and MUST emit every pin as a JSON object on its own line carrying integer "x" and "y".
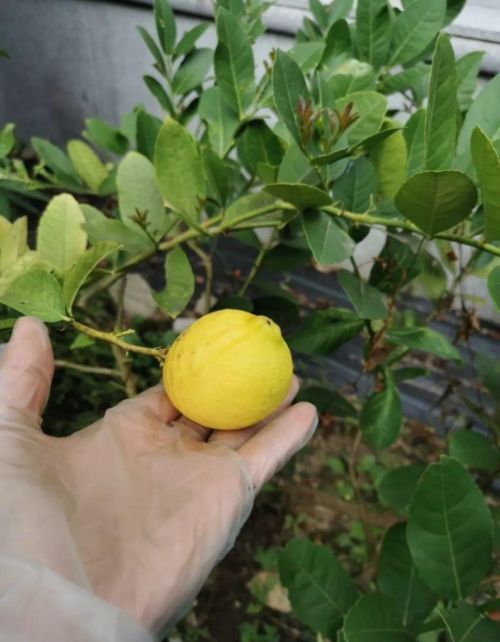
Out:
{"x": 257, "y": 263}
{"x": 70, "y": 365}
{"x": 114, "y": 339}
{"x": 206, "y": 259}
{"x": 123, "y": 363}
{"x": 368, "y": 219}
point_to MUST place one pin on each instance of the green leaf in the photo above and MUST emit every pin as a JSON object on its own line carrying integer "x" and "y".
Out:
{"x": 154, "y": 50}
{"x": 339, "y": 9}
{"x": 61, "y": 238}
{"x": 57, "y": 161}
{"x": 327, "y": 400}
{"x": 367, "y": 145}
{"x": 370, "y": 107}
{"x": 26, "y": 261}
{"x": 475, "y": 450}
{"x": 248, "y": 207}
{"x": 466, "y": 624}
{"x": 307, "y": 55}
{"x": 289, "y": 86}
{"x": 414, "y": 79}
{"x": 179, "y": 283}
{"x": 338, "y": 44}
{"x": 319, "y": 589}
{"x": 300, "y": 195}
{"x": 395, "y": 266}
{"x": 165, "y": 25}
{"x": 424, "y": 339}
{"x": 296, "y": 168}
{"x": 450, "y": 529}
{"x": 36, "y": 293}
{"x": 356, "y": 186}
{"x": 320, "y": 12}
{"x": 192, "y": 72}
{"x": 259, "y": 144}
{"x": 397, "y": 487}
{"x": 483, "y": 113}
{"x": 468, "y": 68}
{"x": 408, "y": 372}
{"x": 389, "y": 159}
{"x": 139, "y": 196}
{"x": 487, "y": 165}
{"x": 351, "y": 77}
{"x": 432, "y": 278}
{"x": 441, "y": 122}
{"x": 375, "y": 618}
{"x": 415, "y": 28}
{"x": 454, "y": 7}
{"x": 494, "y": 286}
{"x": 414, "y": 134}
{"x": 221, "y": 120}
{"x": 282, "y": 310}
{"x": 160, "y": 94}
{"x": 179, "y": 170}
{"x": 103, "y": 135}
{"x": 366, "y": 300}
{"x": 397, "y": 577}
{"x": 435, "y": 201}
{"x": 216, "y": 175}
{"x": 328, "y": 242}
{"x": 233, "y": 63}
{"x": 373, "y": 25}
{"x": 282, "y": 257}
{"x": 326, "y": 330}
{"x": 100, "y": 228}
{"x": 13, "y": 241}
{"x": 233, "y": 303}
{"x": 88, "y": 166}
{"x": 148, "y": 127}
{"x": 488, "y": 369}
{"x": 79, "y": 272}
{"x": 7, "y": 139}
{"x": 381, "y": 416}
{"x": 189, "y": 38}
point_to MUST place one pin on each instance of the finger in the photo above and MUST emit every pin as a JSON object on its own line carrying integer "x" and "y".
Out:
{"x": 27, "y": 367}
{"x": 235, "y": 439}
{"x": 269, "y": 450}
{"x": 155, "y": 400}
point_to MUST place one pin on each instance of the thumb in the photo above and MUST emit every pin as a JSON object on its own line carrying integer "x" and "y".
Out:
{"x": 27, "y": 367}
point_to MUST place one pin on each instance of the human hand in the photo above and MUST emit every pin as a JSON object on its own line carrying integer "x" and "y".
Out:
{"x": 137, "y": 507}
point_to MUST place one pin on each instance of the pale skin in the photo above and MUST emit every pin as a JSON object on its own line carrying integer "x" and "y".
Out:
{"x": 139, "y": 506}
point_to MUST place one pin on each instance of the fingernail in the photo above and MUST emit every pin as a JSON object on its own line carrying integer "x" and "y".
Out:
{"x": 314, "y": 424}
{"x": 2, "y": 347}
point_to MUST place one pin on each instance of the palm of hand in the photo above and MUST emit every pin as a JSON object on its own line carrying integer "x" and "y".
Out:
{"x": 137, "y": 507}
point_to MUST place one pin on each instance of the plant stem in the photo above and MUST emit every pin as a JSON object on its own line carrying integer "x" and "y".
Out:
{"x": 257, "y": 263}
{"x": 123, "y": 363}
{"x": 369, "y": 219}
{"x": 70, "y": 365}
{"x": 209, "y": 273}
{"x": 114, "y": 339}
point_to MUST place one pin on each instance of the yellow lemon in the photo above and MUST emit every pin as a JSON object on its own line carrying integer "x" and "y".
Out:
{"x": 229, "y": 370}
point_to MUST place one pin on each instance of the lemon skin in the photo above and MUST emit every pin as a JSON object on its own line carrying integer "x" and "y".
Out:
{"x": 228, "y": 370}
